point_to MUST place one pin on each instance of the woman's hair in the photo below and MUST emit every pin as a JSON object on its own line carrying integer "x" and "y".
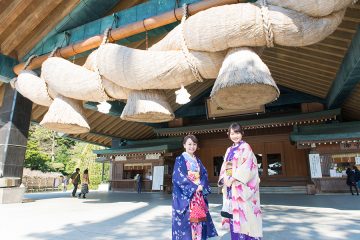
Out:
{"x": 192, "y": 137}
{"x": 86, "y": 171}
{"x": 355, "y": 168}
{"x": 236, "y": 128}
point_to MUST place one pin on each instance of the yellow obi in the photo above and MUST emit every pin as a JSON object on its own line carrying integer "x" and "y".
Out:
{"x": 194, "y": 177}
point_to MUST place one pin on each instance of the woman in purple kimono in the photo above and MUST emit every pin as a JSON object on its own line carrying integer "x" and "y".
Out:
{"x": 191, "y": 219}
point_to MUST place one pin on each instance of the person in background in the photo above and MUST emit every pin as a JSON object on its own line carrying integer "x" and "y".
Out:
{"x": 191, "y": 219}
{"x": 148, "y": 176}
{"x": 239, "y": 179}
{"x": 351, "y": 181}
{"x": 357, "y": 176}
{"x": 85, "y": 184}
{"x": 65, "y": 182}
{"x": 138, "y": 180}
{"x": 75, "y": 180}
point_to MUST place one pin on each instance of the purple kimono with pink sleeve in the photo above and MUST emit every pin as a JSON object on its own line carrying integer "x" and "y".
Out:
{"x": 183, "y": 191}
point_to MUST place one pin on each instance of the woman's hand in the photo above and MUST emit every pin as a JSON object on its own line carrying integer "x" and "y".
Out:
{"x": 200, "y": 188}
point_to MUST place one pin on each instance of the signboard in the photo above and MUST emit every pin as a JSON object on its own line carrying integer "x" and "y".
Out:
{"x": 152, "y": 156}
{"x": 215, "y": 111}
{"x": 120, "y": 158}
{"x": 315, "y": 165}
{"x": 357, "y": 160}
{"x": 350, "y": 146}
{"x": 158, "y": 177}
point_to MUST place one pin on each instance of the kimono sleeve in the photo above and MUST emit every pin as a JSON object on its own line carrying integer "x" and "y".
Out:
{"x": 204, "y": 180}
{"x": 180, "y": 179}
{"x": 222, "y": 170}
{"x": 245, "y": 169}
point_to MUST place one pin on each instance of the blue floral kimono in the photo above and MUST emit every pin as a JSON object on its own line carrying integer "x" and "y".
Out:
{"x": 183, "y": 191}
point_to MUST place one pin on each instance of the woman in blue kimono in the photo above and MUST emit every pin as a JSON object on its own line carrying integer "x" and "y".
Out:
{"x": 191, "y": 219}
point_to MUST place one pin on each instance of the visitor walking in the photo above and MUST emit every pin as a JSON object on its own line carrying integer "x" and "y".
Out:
{"x": 75, "y": 180}
{"x": 351, "y": 181}
{"x": 85, "y": 184}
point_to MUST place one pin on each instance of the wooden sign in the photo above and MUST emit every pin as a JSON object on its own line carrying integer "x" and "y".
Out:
{"x": 152, "y": 156}
{"x": 315, "y": 165}
{"x": 215, "y": 111}
{"x": 120, "y": 158}
{"x": 350, "y": 146}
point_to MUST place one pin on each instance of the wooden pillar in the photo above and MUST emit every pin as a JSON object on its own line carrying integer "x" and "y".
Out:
{"x": 15, "y": 114}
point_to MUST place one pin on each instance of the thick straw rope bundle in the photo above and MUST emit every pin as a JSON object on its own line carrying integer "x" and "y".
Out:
{"x": 238, "y": 25}
{"x": 147, "y": 106}
{"x": 73, "y": 81}
{"x": 313, "y": 8}
{"x": 65, "y": 115}
{"x": 190, "y": 52}
{"x": 140, "y": 69}
{"x": 32, "y": 87}
{"x": 112, "y": 90}
{"x": 244, "y": 81}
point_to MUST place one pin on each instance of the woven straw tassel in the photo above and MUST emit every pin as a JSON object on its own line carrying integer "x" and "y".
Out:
{"x": 32, "y": 87}
{"x": 65, "y": 115}
{"x": 147, "y": 106}
{"x": 244, "y": 81}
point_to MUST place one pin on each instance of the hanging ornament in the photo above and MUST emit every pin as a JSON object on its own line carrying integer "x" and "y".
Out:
{"x": 182, "y": 96}
{"x": 104, "y": 107}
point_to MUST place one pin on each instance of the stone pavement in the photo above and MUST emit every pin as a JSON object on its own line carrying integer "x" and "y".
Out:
{"x": 148, "y": 216}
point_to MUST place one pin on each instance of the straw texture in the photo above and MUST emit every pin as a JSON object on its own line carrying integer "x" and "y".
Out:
{"x": 32, "y": 87}
{"x": 140, "y": 69}
{"x": 112, "y": 90}
{"x": 147, "y": 106}
{"x": 244, "y": 81}
{"x": 65, "y": 115}
{"x": 238, "y": 25}
{"x": 313, "y": 8}
{"x": 73, "y": 81}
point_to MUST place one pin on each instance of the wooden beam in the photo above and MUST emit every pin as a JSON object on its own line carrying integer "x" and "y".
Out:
{"x": 348, "y": 75}
{"x": 294, "y": 67}
{"x": 11, "y": 12}
{"x": 300, "y": 73}
{"x": 127, "y": 31}
{"x": 308, "y": 54}
{"x": 27, "y": 25}
{"x": 301, "y": 80}
{"x": 122, "y": 5}
{"x": 299, "y": 85}
{"x": 51, "y": 20}
{"x": 308, "y": 61}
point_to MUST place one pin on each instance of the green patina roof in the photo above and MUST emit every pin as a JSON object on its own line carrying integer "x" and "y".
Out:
{"x": 253, "y": 122}
{"x": 333, "y": 131}
{"x": 145, "y": 146}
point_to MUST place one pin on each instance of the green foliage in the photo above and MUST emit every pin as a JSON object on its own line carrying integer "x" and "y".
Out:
{"x": 84, "y": 158}
{"x": 46, "y": 151}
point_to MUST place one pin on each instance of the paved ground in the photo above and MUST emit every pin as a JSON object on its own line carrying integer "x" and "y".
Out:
{"x": 148, "y": 216}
